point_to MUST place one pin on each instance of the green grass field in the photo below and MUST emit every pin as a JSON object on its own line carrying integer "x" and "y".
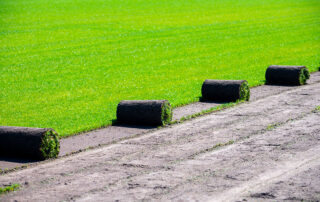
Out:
{"x": 65, "y": 64}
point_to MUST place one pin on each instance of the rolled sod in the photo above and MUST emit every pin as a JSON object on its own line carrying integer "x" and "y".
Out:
{"x": 33, "y": 143}
{"x": 225, "y": 90}
{"x": 144, "y": 112}
{"x": 287, "y": 75}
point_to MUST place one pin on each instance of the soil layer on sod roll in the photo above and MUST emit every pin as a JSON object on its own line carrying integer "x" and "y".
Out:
{"x": 33, "y": 143}
{"x": 225, "y": 90}
{"x": 287, "y": 75}
{"x": 144, "y": 112}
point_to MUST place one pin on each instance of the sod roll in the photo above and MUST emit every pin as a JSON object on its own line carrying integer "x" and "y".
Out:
{"x": 225, "y": 90}
{"x": 33, "y": 143}
{"x": 144, "y": 112}
{"x": 287, "y": 75}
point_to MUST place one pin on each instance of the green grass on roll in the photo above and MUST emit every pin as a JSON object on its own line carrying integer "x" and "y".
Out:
{"x": 304, "y": 76}
{"x": 244, "y": 91}
{"x": 166, "y": 113}
{"x": 50, "y": 145}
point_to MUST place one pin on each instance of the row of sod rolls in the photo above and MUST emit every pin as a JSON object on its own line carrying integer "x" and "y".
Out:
{"x": 43, "y": 143}
{"x": 159, "y": 112}
{"x": 32, "y": 143}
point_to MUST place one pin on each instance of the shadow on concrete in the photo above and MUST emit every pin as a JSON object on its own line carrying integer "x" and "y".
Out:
{"x": 203, "y": 100}
{"x": 115, "y": 123}
{"x": 283, "y": 84}
{"x": 134, "y": 126}
{"x": 18, "y": 160}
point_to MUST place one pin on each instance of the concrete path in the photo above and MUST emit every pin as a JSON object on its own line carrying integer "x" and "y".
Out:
{"x": 266, "y": 149}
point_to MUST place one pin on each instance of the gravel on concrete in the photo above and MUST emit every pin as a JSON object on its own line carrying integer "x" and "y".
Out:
{"x": 241, "y": 153}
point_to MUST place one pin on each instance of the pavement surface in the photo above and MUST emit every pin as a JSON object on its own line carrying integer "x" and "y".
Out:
{"x": 267, "y": 149}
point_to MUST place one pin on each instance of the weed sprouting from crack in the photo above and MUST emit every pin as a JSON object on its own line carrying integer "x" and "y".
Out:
{"x": 211, "y": 148}
{"x": 9, "y": 188}
{"x": 207, "y": 111}
{"x": 273, "y": 126}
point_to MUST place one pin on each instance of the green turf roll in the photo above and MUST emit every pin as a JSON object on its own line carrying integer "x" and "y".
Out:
{"x": 225, "y": 90}
{"x": 144, "y": 112}
{"x": 33, "y": 143}
{"x": 287, "y": 75}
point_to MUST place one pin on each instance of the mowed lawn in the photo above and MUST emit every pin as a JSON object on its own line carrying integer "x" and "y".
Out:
{"x": 65, "y": 64}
